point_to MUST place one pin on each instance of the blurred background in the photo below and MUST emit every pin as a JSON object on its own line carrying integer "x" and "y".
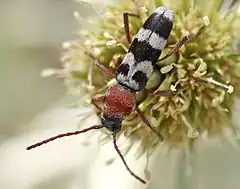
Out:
{"x": 31, "y": 35}
{"x": 30, "y": 40}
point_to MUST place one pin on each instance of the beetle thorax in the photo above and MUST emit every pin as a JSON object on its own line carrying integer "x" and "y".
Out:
{"x": 119, "y": 101}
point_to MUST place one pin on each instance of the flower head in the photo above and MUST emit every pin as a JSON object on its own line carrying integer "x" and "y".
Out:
{"x": 205, "y": 72}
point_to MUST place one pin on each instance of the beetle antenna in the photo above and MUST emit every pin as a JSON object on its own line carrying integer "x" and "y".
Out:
{"x": 124, "y": 161}
{"x": 64, "y": 135}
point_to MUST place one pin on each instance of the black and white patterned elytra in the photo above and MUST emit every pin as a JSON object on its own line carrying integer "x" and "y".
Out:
{"x": 139, "y": 62}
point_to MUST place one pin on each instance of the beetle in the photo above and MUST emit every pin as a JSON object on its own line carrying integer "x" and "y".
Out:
{"x": 131, "y": 76}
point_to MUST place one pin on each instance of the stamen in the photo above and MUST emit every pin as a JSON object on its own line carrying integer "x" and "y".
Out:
{"x": 173, "y": 88}
{"x": 229, "y": 88}
{"x": 66, "y": 45}
{"x": 108, "y": 35}
{"x": 111, "y": 43}
{"x": 206, "y": 20}
{"x": 48, "y": 72}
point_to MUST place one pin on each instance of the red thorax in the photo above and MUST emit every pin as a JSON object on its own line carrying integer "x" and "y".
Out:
{"x": 119, "y": 101}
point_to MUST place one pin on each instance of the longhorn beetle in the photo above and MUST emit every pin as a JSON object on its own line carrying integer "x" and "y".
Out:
{"x": 132, "y": 76}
